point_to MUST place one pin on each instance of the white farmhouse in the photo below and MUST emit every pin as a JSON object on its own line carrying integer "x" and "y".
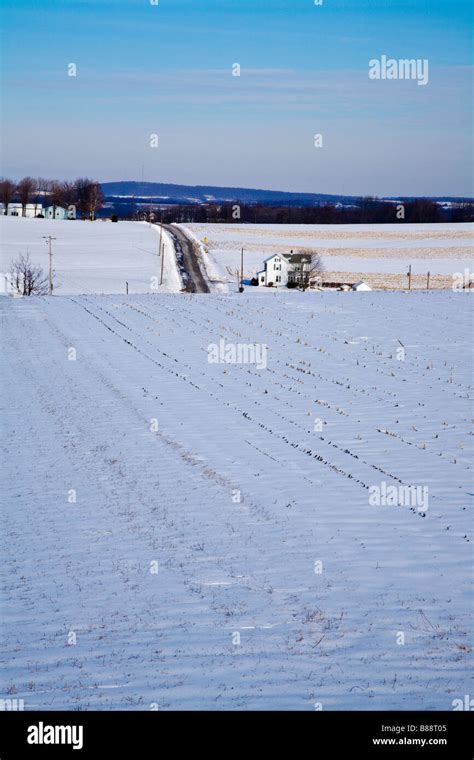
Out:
{"x": 280, "y": 270}
{"x": 275, "y": 271}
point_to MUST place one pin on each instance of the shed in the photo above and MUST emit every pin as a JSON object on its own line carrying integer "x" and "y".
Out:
{"x": 361, "y": 285}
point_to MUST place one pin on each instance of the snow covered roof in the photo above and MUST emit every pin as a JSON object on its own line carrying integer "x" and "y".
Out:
{"x": 361, "y": 285}
{"x": 298, "y": 258}
{"x": 280, "y": 256}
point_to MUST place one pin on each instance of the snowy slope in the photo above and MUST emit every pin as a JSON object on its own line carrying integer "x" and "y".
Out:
{"x": 94, "y": 494}
{"x": 94, "y": 257}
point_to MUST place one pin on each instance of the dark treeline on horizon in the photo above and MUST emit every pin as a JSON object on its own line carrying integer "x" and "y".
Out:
{"x": 91, "y": 202}
{"x": 368, "y": 211}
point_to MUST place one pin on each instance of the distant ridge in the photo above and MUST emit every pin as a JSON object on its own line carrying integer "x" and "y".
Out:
{"x": 206, "y": 193}
{"x": 173, "y": 193}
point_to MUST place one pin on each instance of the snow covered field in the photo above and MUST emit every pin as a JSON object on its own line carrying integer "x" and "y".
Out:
{"x": 101, "y": 257}
{"x": 441, "y": 249}
{"x": 185, "y": 534}
{"x": 90, "y": 257}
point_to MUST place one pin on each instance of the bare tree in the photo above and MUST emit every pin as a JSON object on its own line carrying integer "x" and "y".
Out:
{"x": 27, "y": 279}
{"x": 56, "y": 194}
{"x": 25, "y": 190}
{"x": 96, "y": 199}
{"x": 7, "y": 191}
{"x": 82, "y": 186}
{"x": 63, "y": 194}
{"x": 89, "y": 197}
{"x": 234, "y": 273}
{"x": 42, "y": 193}
{"x": 68, "y": 194}
{"x": 311, "y": 270}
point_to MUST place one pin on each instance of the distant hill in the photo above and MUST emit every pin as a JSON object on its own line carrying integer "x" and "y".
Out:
{"x": 160, "y": 191}
{"x": 184, "y": 194}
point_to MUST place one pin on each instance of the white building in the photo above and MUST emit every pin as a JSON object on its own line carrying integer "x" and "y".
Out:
{"x": 299, "y": 272}
{"x": 361, "y": 286}
{"x": 55, "y": 212}
{"x": 16, "y": 209}
{"x": 280, "y": 270}
{"x": 33, "y": 210}
{"x": 275, "y": 271}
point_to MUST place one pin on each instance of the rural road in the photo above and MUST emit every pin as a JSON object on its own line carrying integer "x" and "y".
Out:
{"x": 187, "y": 259}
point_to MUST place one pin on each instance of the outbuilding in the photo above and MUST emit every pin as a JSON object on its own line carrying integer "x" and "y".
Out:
{"x": 361, "y": 286}
{"x": 55, "y": 212}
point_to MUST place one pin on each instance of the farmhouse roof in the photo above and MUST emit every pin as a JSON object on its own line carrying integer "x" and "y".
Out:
{"x": 280, "y": 255}
{"x": 298, "y": 258}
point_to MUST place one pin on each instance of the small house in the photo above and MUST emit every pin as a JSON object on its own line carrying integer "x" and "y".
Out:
{"x": 15, "y": 209}
{"x": 361, "y": 286}
{"x": 31, "y": 210}
{"x": 55, "y": 212}
{"x": 58, "y": 212}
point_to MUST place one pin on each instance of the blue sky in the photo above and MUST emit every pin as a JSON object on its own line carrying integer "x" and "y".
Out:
{"x": 166, "y": 69}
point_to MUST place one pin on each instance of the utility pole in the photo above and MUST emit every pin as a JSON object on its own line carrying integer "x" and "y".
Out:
{"x": 409, "y": 277}
{"x": 428, "y": 281}
{"x": 162, "y": 263}
{"x": 48, "y": 237}
{"x": 241, "y": 289}
{"x": 161, "y": 251}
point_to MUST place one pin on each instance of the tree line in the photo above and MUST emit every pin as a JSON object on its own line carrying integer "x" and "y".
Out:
{"x": 362, "y": 211}
{"x": 84, "y": 193}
